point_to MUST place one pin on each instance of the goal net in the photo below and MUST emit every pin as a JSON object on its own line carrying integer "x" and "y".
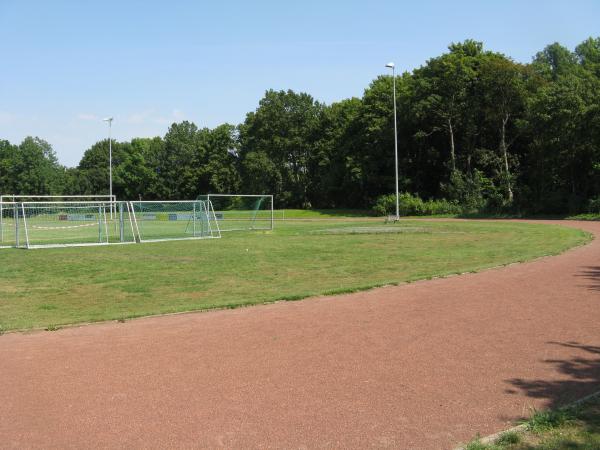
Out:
{"x": 7, "y": 202}
{"x": 7, "y": 224}
{"x": 174, "y": 220}
{"x": 236, "y": 212}
{"x": 61, "y": 224}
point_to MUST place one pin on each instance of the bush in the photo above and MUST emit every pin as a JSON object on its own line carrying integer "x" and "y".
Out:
{"x": 594, "y": 205}
{"x": 468, "y": 190}
{"x": 443, "y": 206}
{"x": 541, "y": 421}
{"x": 413, "y": 205}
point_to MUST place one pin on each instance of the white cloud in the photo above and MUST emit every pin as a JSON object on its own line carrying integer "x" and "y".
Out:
{"x": 176, "y": 116}
{"x": 7, "y": 118}
{"x": 153, "y": 117}
{"x": 139, "y": 118}
{"x": 87, "y": 116}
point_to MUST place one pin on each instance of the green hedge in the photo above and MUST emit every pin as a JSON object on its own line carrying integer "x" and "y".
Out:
{"x": 413, "y": 205}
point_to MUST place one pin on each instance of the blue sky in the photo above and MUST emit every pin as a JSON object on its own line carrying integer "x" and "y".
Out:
{"x": 67, "y": 64}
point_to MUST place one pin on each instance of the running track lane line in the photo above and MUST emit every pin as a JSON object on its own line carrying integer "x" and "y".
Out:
{"x": 419, "y": 366}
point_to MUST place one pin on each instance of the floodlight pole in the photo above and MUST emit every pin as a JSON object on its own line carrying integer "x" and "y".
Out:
{"x": 110, "y": 183}
{"x": 392, "y": 66}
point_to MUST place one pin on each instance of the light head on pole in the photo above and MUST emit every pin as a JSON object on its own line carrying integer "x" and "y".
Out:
{"x": 108, "y": 119}
{"x": 390, "y": 65}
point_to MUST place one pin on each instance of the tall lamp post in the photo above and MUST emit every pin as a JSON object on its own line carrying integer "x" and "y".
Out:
{"x": 392, "y": 66}
{"x": 110, "y": 120}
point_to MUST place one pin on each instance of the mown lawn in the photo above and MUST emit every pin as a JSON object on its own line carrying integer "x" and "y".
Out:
{"x": 284, "y": 214}
{"x": 51, "y": 287}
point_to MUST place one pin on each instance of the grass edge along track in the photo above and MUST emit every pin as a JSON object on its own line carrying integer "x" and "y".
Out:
{"x": 55, "y": 287}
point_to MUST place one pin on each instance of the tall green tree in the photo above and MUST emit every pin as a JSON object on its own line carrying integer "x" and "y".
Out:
{"x": 503, "y": 94}
{"x": 34, "y": 168}
{"x": 561, "y": 148}
{"x": 283, "y": 130}
{"x": 137, "y": 173}
{"x": 442, "y": 89}
{"x": 178, "y": 161}
{"x": 588, "y": 55}
{"x": 334, "y": 167}
{"x": 7, "y": 154}
{"x": 93, "y": 177}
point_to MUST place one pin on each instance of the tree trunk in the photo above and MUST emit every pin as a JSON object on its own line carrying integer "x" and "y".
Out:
{"x": 504, "y": 150}
{"x": 452, "y": 149}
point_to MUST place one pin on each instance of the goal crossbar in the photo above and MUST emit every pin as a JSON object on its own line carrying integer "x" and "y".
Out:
{"x": 15, "y": 196}
{"x": 242, "y": 212}
{"x": 8, "y": 199}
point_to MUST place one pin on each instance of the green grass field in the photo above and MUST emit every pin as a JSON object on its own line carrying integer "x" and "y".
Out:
{"x": 285, "y": 214}
{"x": 51, "y": 287}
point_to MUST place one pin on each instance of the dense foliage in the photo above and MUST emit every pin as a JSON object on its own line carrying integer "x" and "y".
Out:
{"x": 411, "y": 205}
{"x": 475, "y": 128}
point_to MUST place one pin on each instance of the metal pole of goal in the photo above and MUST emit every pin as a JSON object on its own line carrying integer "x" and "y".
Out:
{"x": 1, "y": 219}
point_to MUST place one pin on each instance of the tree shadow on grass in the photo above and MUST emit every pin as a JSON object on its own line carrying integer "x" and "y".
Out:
{"x": 583, "y": 378}
{"x": 592, "y": 275}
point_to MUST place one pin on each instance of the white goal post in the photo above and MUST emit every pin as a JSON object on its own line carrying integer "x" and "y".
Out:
{"x": 170, "y": 220}
{"x": 7, "y": 201}
{"x": 45, "y": 224}
{"x": 239, "y": 212}
{"x": 68, "y": 224}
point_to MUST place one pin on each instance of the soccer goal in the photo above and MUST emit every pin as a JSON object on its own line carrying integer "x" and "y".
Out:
{"x": 174, "y": 220}
{"x": 8, "y": 200}
{"x": 66, "y": 224}
{"x": 237, "y": 212}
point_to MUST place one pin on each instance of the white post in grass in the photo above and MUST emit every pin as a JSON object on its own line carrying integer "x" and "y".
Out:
{"x": 16, "y": 219}
{"x": 194, "y": 219}
{"x": 272, "y": 214}
{"x": 1, "y": 218}
{"x": 110, "y": 120}
{"x": 99, "y": 223}
{"x": 25, "y": 226}
{"x": 392, "y": 66}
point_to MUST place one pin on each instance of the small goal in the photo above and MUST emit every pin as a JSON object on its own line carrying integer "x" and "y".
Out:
{"x": 174, "y": 220}
{"x": 7, "y": 237}
{"x": 239, "y": 212}
{"x": 44, "y": 224}
{"x": 66, "y": 224}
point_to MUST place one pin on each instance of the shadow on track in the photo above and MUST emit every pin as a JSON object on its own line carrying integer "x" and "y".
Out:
{"x": 582, "y": 377}
{"x": 592, "y": 274}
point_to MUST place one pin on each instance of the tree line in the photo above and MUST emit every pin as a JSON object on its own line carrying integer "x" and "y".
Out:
{"x": 474, "y": 127}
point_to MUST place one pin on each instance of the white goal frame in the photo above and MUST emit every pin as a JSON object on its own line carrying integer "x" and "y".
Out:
{"x": 11, "y": 199}
{"x": 209, "y": 197}
{"x": 102, "y": 223}
{"x": 214, "y": 234}
{"x": 92, "y": 197}
{"x": 36, "y": 228}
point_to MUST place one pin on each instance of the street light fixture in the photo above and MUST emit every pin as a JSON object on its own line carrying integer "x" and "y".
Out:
{"x": 392, "y": 66}
{"x": 110, "y": 183}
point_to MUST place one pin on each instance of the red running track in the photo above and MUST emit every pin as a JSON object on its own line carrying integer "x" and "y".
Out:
{"x": 425, "y": 365}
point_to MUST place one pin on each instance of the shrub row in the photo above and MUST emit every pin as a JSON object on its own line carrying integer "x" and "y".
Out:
{"x": 413, "y": 205}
